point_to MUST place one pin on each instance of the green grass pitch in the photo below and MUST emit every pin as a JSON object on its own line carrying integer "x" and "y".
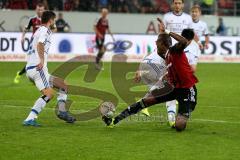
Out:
{"x": 212, "y": 134}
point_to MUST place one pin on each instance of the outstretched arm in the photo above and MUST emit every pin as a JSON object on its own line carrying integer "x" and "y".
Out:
{"x": 182, "y": 42}
{"x": 27, "y": 28}
{"x": 109, "y": 31}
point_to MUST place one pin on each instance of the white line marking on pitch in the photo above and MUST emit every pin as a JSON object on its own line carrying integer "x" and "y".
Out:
{"x": 122, "y": 103}
{"x": 153, "y": 117}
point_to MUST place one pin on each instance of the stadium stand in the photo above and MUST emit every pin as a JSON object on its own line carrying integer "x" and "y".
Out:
{"x": 209, "y": 7}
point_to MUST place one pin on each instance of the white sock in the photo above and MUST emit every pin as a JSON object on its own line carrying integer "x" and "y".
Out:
{"x": 61, "y": 106}
{"x": 36, "y": 109}
{"x": 171, "y": 106}
{"x": 62, "y": 98}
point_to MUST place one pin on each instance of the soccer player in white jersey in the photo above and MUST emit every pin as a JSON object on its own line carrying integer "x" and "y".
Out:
{"x": 150, "y": 70}
{"x": 37, "y": 72}
{"x": 200, "y": 27}
{"x": 192, "y": 50}
{"x": 153, "y": 67}
{"x": 177, "y": 20}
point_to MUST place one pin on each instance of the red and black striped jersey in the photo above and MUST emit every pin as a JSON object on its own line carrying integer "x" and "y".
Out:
{"x": 102, "y": 25}
{"x": 34, "y": 22}
{"x": 180, "y": 73}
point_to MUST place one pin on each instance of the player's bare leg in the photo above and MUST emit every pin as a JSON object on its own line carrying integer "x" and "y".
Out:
{"x": 63, "y": 114}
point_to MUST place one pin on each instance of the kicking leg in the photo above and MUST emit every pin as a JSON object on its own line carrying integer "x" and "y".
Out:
{"x": 19, "y": 74}
{"x": 61, "y": 99}
{"x": 138, "y": 106}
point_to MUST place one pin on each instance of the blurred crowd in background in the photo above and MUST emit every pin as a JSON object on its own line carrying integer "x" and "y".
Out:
{"x": 212, "y": 7}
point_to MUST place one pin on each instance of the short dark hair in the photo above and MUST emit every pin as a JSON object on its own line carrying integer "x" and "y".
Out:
{"x": 40, "y": 4}
{"x": 188, "y": 34}
{"x": 182, "y": 1}
{"x": 196, "y": 6}
{"x": 47, "y": 15}
{"x": 165, "y": 39}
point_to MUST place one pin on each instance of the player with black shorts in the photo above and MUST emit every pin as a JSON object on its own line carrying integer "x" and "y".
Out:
{"x": 35, "y": 23}
{"x": 178, "y": 84}
{"x": 101, "y": 26}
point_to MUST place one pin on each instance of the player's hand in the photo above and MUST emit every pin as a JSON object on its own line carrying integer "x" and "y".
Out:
{"x": 39, "y": 66}
{"x": 206, "y": 46}
{"x": 22, "y": 40}
{"x": 161, "y": 25}
{"x": 137, "y": 77}
{"x": 200, "y": 45}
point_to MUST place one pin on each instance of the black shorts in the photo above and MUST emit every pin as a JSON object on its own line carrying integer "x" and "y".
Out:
{"x": 100, "y": 42}
{"x": 186, "y": 97}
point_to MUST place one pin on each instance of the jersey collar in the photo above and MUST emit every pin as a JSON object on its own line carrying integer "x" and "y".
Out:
{"x": 196, "y": 21}
{"x": 177, "y": 14}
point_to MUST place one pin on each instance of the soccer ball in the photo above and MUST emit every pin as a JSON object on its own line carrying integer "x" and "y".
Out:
{"x": 107, "y": 109}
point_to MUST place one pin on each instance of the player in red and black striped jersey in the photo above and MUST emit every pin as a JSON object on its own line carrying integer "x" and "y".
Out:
{"x": 179, "y": 83}
{"x": 34, "y": 23}
{"x": 101, "y": 26}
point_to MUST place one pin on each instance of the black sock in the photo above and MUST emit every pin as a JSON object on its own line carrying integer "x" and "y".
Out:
{"x": 22, "y": 71}
{"x": 133, "y": 109}
{"x": 99, "y": 57}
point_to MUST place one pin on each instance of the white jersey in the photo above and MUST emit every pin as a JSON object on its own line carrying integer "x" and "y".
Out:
{"x": 43, "y": 35}
{"x": 177, "y": 23}
{"x": 154, "y": 57}
{"x": 200, "y": 28}
{"x": 152, "y": 68}
{"x": 192, "y": 52}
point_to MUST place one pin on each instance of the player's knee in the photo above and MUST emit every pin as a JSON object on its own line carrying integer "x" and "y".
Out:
{"x": 48, "y": 92}
{"x": 181, "y": 122}
{"x": 64, "y": 87}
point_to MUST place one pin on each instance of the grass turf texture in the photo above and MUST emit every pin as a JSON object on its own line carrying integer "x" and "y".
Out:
{"x": 213, "y": 132}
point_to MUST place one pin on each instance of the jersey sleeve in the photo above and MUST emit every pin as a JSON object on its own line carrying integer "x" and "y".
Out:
{"x": 192, "y": 54}
{"x": 192, "y": 60}
{"x": 206, "y": 31}
{"x": 30, "y": 24}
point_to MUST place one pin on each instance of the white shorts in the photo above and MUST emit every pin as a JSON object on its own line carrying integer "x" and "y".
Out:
{"x": 41, "y": 78}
